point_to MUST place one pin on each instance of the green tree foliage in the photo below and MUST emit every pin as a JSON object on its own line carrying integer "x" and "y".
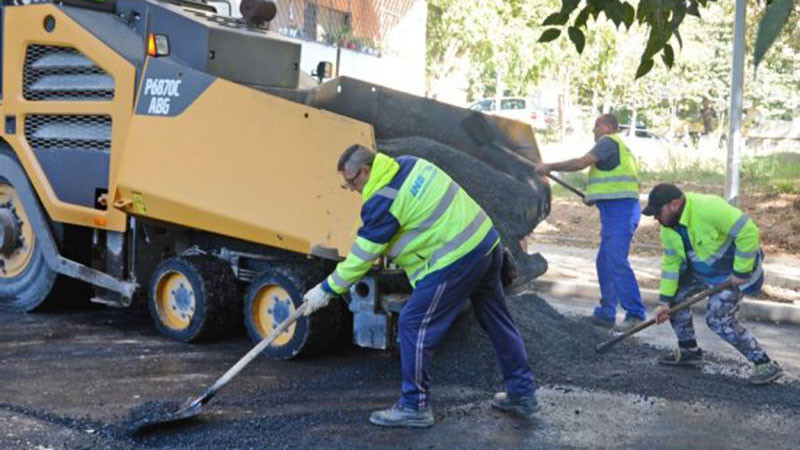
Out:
{"x": 774, "y": 20}
{"x": 663, "y": 20}
{"x": 485, "y": 37}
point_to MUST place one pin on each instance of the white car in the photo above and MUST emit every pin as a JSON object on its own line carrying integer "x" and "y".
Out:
{"x": 654, "y": 152}
{"x": 517, "y": 108}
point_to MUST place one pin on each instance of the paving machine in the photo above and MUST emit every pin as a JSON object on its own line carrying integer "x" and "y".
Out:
{"x": 153, "y": 151}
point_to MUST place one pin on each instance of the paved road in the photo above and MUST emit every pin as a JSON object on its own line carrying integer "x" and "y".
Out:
{"x": 67, "y": 380}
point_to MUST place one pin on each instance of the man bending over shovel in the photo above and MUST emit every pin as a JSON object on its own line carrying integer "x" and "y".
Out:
{"x": 705, "y": 242}
{"x": 417, "y": 215}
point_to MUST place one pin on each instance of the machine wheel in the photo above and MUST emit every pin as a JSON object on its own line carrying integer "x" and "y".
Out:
{"x": 193, "y": 297}
{"x": 273, "y": 296}
{"x": 25, "y": 278}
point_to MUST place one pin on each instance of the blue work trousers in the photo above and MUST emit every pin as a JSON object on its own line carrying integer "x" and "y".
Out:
{"x": 619, "y": 219}
{"x": 432, "y": 308}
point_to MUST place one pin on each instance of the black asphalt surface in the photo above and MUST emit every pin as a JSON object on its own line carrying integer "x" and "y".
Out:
{"x": 71, "y": 379}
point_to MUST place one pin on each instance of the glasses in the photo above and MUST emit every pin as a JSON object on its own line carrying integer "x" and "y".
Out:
{"x": 351, "y": 182}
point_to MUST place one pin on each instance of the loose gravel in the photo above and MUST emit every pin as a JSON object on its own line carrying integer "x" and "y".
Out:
{"x": 562, "y": 354}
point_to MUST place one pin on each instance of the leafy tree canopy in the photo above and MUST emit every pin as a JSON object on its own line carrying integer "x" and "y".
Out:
{"x": 662, "y": 19}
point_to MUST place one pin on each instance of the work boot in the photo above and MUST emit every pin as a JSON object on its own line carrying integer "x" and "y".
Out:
{"x": 683, "y": 357}
{"x": 524, "y": 406}
{"x": 600, "y": 322}
{"x": 627, "y": 324}
{"x": 400, "y": 416}
{"x": 766, "y": 373}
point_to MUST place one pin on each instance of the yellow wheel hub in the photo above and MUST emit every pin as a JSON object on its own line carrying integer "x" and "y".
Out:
{"x": 17, "y": 259}
{"x": 271, "y": 306}
{"x": 175, "y": 300}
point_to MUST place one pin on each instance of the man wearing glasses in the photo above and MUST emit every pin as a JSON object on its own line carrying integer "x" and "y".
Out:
{"x": 414, "y": 213}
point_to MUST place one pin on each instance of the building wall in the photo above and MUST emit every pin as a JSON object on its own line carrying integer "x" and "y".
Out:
{"x": 391, "y": 71}
{"x": 384, "y": 42}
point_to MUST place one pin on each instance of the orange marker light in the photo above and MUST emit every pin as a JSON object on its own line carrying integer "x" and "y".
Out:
{"x": 151, "y": 45}
{"x": 100, "y": 221}
{"x": 157, "y": 45}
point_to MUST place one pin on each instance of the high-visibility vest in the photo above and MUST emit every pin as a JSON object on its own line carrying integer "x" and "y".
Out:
{"x": 417, "y": 215}
{"x": 620, "y": 182}
{"x": 713, "y": 226}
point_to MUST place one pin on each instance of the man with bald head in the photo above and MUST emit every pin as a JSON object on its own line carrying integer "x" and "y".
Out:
{"x": 614, "y": 187}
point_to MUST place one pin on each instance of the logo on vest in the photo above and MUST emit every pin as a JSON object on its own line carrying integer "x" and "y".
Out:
{"x": 420, "y": 181}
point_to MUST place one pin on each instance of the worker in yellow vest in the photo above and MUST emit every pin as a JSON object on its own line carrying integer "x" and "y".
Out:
{"x": 614, "y": 187}
{"x": 415, "y": 214}
{"x": 706, "y": 241}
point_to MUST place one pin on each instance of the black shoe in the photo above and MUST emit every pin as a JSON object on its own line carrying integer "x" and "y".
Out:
{"x": 524, "y": 406}
{"x": 683, "y": 357}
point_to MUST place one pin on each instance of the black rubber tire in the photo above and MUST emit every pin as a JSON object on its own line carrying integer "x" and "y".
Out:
{"x": 217, "y": 298}
{"x": 28, "y": 290}
{"x": 313, "y": 334}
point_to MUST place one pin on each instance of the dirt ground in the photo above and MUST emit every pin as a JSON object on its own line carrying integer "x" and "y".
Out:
{"x": 777, "y": 216}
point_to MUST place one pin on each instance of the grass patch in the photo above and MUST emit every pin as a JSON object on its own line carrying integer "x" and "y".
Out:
{"x": 778, "y": 173}
{"x": 576, "y": 179}
{"x": 695, "y": 174}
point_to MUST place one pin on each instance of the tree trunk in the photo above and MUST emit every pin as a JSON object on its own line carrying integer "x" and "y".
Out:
{"x": 707, "y": 115}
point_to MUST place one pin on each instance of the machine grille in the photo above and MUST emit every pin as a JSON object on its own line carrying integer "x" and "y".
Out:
{"x": 68, "y": 132}
{"x": 63, "y": 73}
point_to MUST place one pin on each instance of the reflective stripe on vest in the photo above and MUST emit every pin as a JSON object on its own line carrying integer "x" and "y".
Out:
{"x": 737, "y": 227}
{"x": 666, "y": 275}
{"x": 340, "y": 281}
{"x": 410, "y": 235}
{"x": 617, "y": 183}
{"x": 456, "y": 242}
{"x": 387, "y": 192}
{"x": 612, "y": 180}
{"x": 363, "y": 254}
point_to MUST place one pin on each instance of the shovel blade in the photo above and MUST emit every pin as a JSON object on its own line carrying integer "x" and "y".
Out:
{"x": 158, "y": 415}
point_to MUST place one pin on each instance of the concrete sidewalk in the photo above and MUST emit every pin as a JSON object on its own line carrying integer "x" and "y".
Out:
{"x": 571, "y": 273}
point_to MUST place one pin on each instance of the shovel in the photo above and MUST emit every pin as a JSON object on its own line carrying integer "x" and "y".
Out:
{"x": 680, "y": 306}
{"x": 480, "y": 131}
{"x": 193, "y": 406}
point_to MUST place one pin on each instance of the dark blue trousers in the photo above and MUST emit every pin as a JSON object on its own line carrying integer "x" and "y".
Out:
{"x": 619, "y": 219}
{"x": 432, "y": 308}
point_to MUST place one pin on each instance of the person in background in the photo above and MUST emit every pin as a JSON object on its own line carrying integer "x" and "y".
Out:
{"x": 614, "y": 187}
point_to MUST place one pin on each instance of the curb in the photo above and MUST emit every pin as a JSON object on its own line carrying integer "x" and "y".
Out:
{"x": 748, "y": 309}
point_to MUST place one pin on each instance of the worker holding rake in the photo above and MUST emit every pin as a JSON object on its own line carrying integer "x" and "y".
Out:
{"x": 706, "y": 241}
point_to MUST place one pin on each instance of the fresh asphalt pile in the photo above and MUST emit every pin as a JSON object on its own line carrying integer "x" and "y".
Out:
{"x": 562, "y": 351}
{"x": 516, "y": 207}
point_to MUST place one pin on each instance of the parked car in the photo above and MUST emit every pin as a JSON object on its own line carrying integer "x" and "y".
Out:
{"x": 518, "y": 108}
{"x": 654, "y": 151}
